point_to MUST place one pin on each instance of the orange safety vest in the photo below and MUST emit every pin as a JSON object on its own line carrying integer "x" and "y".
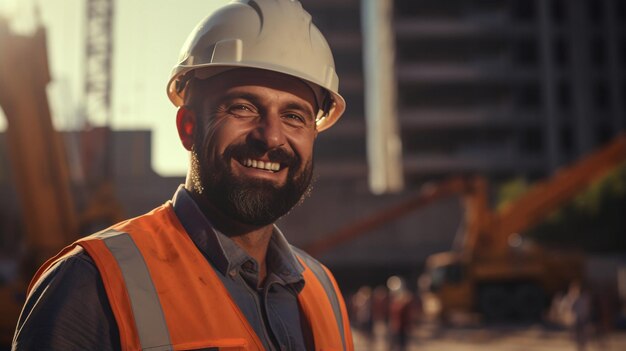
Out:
{"x": 166, "y": 296}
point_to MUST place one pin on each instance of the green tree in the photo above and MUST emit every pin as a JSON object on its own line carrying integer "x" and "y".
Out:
{"x": 595, "y": 220}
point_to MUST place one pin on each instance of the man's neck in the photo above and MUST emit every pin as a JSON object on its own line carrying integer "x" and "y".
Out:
{"x": 254, "y": 240}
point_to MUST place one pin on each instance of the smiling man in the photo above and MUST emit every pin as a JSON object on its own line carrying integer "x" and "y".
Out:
{"x": 209, "y": 270}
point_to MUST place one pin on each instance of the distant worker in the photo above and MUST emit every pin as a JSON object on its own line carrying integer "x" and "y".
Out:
{"x": 362, "y": 310}
{"x": 208, "y": 270}
{"x": 579, "y": 300}
{"x": 401, "y": 313}
{"x": 380, "y": 307}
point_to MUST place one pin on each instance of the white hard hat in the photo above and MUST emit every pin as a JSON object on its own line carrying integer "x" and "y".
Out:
{"x": 275, "y": 35}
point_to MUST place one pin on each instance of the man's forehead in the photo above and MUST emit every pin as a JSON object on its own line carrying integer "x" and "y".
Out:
{"x": 250, "y": 77}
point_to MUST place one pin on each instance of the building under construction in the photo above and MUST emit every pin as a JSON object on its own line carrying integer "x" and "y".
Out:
{"x": 501, "y": 88}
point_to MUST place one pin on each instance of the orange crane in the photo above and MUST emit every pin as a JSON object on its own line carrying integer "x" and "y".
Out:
{"x": 39, "y": 165}
{"x": 40, "y": 168}
{"x": 428, "y": 194}
{"x": 491, "y": 272}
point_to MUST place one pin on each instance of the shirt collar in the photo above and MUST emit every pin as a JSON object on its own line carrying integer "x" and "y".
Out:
{"x": 224, "y": 254}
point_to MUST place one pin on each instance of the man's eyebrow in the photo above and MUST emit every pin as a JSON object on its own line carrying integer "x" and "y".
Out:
{"x": 239, "y": 95}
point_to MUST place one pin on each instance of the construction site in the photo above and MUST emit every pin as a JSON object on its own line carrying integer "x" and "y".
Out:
{"x": 478, "y": 175}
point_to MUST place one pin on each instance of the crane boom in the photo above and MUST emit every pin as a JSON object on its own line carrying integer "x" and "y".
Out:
{"x": 425, "y": 197}
{"x": 546, "y": 196}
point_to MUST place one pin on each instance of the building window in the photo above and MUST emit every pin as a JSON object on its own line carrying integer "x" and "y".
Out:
{"x": 600, "y": 95}
{"x": 604, "y": 133}
{"x": 622, "y": 50}
{"x": 567, "y": 139}
{"x": 523, "y": 10}
{"x": 531, "y": 141}
{"x": 564, "y": 95}
{"x": 595, "y": 11}
{"x": 558, "y": 11}
{"x": 620, "y": 9}
{"x": 561, "y": 52}
{"x": 525, "y": 52}
{"x": 528, "y": 96}
{"x": 597, "y": 50}
{"x": 624, "y": 96}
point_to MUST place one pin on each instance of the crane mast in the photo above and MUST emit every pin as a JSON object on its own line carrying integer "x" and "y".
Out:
{"x": 98, "y": 60}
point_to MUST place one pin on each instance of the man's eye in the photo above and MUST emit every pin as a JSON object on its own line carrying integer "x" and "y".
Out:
{"x": 241, "y": 109}
{"x": 295, "y": 118}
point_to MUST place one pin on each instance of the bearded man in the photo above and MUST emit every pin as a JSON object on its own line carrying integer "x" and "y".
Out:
{"x": 209, "y": 270}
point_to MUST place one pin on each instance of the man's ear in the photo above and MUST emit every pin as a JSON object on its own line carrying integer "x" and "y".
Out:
{"x": 186, "y": 124}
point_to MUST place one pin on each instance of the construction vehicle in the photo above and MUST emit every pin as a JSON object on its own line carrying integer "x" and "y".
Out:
{"x": 40, "y": 168}
{"x": 493, "y": 271}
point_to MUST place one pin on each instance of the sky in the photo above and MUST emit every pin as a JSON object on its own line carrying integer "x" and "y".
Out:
{"x": 148, "y": 36}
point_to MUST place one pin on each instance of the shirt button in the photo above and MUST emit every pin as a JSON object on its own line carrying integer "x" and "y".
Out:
{"x": 233, "y": 273}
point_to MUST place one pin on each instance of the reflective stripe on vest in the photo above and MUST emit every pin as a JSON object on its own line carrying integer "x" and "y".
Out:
{"x": 328, "y": 288}
{"x": 144, "y": 300}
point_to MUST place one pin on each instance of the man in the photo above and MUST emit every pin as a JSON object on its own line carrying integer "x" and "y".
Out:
{"x": 209, "y": 270}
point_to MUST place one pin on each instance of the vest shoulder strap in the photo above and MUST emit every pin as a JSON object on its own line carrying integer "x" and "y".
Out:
{"x": 150, "y": 323}
{"x": 331, "y": 290}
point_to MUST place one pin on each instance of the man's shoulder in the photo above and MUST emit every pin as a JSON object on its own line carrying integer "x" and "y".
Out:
{"x": 75, "y": 259}
{"x": 67, "y": 308}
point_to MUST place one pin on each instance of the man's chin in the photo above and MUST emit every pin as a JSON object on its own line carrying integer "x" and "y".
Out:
{"x": 258, "y": 205}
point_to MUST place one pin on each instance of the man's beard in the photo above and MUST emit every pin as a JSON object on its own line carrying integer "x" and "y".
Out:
{"x": 248, "y": 200}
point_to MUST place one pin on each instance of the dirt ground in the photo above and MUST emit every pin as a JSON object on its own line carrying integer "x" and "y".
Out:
{"x": 427, "y": 337}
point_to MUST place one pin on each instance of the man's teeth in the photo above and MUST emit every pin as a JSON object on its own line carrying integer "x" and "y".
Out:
{"x": 270, "y": 166}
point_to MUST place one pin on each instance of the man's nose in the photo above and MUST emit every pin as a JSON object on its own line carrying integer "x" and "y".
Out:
{"x": 269, "y": 131}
